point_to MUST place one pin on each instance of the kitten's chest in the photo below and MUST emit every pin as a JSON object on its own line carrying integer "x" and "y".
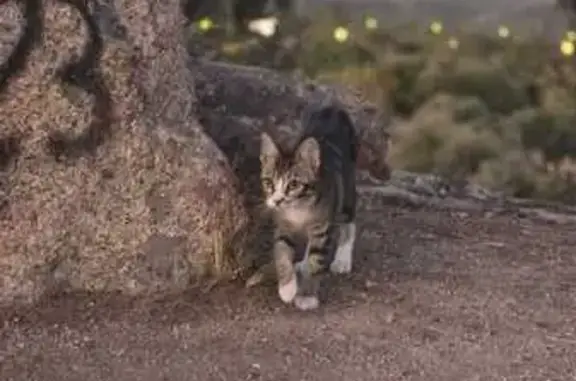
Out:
{"x": 298, "y": 218}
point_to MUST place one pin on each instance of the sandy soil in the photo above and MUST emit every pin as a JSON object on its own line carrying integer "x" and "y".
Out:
{"x": 435, "y": 295}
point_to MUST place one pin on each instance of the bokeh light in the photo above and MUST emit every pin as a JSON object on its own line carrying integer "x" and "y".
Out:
{"x": 503, "y": 32}
{"x": 436, "y": 27}
{"x": 567, "y": 48}
{"x": 453, "y": 43}
{"x": 371, "y": 23}
{"x": 266, "y": 27}
{"x": 341, "y": 34}
{"x": 205, "y": 24}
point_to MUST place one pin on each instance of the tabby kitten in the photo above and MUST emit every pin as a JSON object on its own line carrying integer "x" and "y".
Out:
{"x": 311, "y": 191}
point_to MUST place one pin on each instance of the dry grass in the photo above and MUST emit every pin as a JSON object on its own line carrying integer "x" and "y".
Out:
{"x": 433, "y": 141}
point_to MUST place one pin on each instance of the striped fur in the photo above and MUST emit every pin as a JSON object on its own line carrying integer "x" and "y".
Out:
{"x": 311, "y": 191}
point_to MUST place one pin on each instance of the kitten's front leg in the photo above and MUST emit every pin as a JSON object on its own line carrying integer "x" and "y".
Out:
{"x": 316, "y": 262}
{"x": 308, "y": 292}
{"x": 283, "y": 260}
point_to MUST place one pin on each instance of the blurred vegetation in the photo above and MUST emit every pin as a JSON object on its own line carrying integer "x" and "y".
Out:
{"x": 498, "y": 109}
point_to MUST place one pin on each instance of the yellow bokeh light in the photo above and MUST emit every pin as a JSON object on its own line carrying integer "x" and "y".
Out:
{"x": 453, "y": 43}
{"x": 567, "y": 48}
{"x": 571, "y": 35}
{"x": 205, "y": 24}
{"x": 503, "y": 32}
{"x": 371, "y": 23}
{"x": 341, "y": 34}
{"x": 436, "y": 27}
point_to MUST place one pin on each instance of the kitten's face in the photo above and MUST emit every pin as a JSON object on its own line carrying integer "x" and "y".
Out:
{"x": 290, "y": 182}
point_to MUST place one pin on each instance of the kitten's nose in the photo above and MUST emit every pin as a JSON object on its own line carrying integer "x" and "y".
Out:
{"x": 275, "y": 201}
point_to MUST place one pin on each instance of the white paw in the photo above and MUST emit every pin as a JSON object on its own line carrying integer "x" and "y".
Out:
{"x": 306, "y": 303}
{"x": 288, "y": 291}
{"x": 341, "y": 265}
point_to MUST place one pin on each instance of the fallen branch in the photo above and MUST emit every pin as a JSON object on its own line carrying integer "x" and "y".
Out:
{"x": 425, "y": 190}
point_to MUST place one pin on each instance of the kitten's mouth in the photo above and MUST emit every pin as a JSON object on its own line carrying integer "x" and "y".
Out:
{"x": 273, "y": 204}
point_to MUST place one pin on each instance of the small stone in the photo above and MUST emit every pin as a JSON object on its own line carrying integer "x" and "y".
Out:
{"x": 370, "y": 284}
{"x": 390, "y": 317}
{"x": 339, "y": 336}
{"x": 489, "y": 214}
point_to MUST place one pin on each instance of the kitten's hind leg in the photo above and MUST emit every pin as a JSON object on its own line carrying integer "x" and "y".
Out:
{"x": 287, "y": 279}
{"x": 342, "y": 263}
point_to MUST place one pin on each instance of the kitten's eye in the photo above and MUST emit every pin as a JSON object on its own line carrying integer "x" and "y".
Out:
{"x": 267, "y": 185}
{"x": 293, "y": 185}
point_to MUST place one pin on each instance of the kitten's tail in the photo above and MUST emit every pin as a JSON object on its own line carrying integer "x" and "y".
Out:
{"x": 332, "y": 111}
{"x": 353, "y": 138}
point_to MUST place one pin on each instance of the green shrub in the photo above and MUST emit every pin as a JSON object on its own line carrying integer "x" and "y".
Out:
{"x": 551, "y": 135}
{"x": 515, "y": 173}
{"x": 433, "y": 141}
{"x": 499, "y": 91}
{"x": 511, "y": 171}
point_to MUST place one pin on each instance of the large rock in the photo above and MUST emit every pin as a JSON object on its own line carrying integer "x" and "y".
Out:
{"x": 238, "y": 102}
{"x": 107, "y": 181}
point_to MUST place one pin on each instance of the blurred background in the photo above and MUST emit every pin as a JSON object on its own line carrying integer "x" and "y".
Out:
{"x": 483, "y": 91}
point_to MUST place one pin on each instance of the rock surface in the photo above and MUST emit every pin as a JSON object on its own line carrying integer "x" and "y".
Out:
{"x": 255, "y": 99}
{"x": 107, "y": 181}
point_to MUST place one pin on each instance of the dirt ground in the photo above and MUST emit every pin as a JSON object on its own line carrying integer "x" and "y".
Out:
{"x": 436, "y": 295}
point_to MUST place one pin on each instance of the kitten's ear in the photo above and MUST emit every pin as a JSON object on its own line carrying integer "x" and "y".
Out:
{"x": 308, "y": 152}
{"x": 268, "y": 149}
